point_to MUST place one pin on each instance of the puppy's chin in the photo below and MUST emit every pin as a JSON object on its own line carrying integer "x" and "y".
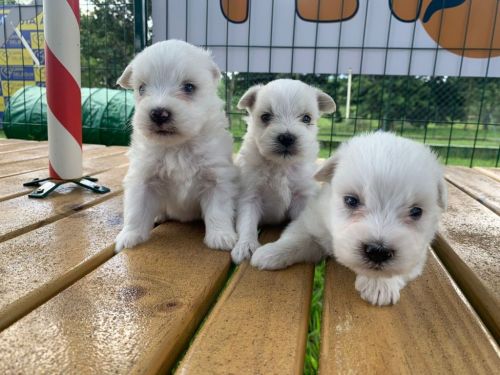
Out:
{"x": 280, "y": 154}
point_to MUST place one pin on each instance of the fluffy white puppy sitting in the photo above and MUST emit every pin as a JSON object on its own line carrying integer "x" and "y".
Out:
{"x": 277, "y": 157}
{"x": 376, "y": 213}
{"x": 181, "y": 153}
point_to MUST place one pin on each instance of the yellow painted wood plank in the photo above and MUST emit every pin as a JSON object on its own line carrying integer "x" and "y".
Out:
{"x": 258, "y": 326}
{"x": 468, "y": 244}
{"x": 11, "y": 187}
{"x": 431, "y": 330}
{"x": 479, "y": 186}
{"x": 21, "y": 146}
{"x": 12, "y": 169}
{"x": 40, "y": 263}
{"x": 492, "y": 172}
{"x": 22, "y": 214}
{"x": 132, "y": 315}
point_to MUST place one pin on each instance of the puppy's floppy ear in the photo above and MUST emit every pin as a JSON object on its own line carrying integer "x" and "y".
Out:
{"x": 325, "y": 172}
{"x": 325, "y": 102}
{"x": 214, "y": 69}
{"x": 248, "y": 99}
{"x": 442, "y": 194}
{"x": 125, "y": 79}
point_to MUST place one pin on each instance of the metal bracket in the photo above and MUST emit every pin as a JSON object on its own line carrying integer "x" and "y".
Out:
{"x": 48, "y": 185}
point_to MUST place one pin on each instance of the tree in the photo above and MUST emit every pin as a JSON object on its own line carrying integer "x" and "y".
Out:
{"x": 107, "y": 41}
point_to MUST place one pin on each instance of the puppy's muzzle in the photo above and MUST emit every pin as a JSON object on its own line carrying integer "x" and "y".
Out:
{"x": 160, "y": 116}
{"x": 286, "y": 140}
{"x": 377, "y": 252}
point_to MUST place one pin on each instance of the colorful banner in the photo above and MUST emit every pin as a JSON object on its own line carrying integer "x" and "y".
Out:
{"x": 393, "y": 37}
{"x": 22, "y": 55}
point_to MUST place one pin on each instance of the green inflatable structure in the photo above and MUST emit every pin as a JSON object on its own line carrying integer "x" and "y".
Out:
{"x": 106, "y": 113}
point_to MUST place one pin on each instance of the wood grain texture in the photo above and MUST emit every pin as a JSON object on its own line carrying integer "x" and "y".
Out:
{"x": 22, "y": 214}
{"x": 132, "y": 315}
{"x": 259, "y": 324}
{"x": 8, "y": 141}
{"x": 11, "y": 187}
{"x": 40, "y": 263}
{"x": 33, "y": 153}
{"x": 476, "y": 184}
{"x": 491, "y": 172}
{"x": 473, "y": 232}
{"x": 12, "y": 169}
{"x": 430, "y": 330}
{"x": 21, "y": 146}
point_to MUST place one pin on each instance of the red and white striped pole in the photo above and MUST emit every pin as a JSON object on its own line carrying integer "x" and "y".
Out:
{"x": 62, "y": 69}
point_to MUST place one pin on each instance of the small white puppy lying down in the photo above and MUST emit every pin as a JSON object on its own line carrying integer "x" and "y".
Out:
{"x": 376, "y": 213}
{"x": 181, "y": 164}
{"x": 277, "y": 157}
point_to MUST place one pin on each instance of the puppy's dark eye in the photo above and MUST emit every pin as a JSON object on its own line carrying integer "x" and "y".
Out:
{"x": 142, "y": 89}
{"x": 351, "y": 201}
{"x": 266, "y": 117}
{"x": 188, "y": 88}
{"x": 306, "y": 119}
{"x": 415, "y": 213}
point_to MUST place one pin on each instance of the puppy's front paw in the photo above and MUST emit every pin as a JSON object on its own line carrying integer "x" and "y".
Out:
{"x": 243, "y": 250}
{"x": 129, "y": 238}
{"x": 221, "y": 240}
{"x": 269, "y": 257}
{"x": 379, "y": 291}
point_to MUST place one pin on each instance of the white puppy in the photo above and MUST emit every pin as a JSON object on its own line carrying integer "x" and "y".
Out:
{"x": 277, "y": 158}
{"x": 181, "y": 153}
{"x": 376, "y": 213}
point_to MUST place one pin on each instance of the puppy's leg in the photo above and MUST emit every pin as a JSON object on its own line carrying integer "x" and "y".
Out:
{"x": 217, "y": 205}
{"x": 379, "y": 290}
{"x": 140, "y": 210}
{"x": 246, "y": 223}
{"x": 294, "y": 246}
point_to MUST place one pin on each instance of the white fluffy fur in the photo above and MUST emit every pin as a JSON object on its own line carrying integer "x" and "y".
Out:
{"x": 390, "y": 175}
{"x": 275, "y": 186}
{"x": 186, "y": 172}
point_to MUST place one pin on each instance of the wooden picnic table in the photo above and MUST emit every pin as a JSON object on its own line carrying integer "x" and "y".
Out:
{"x": 68, "y": 304}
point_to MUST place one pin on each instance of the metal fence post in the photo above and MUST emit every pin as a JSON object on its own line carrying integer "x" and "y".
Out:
{"x": 140, "y": 25}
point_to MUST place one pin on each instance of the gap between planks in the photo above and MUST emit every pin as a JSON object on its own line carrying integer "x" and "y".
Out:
{"x": 22, "y": 214}
{"x": 41, "y": 263}
{"x": 133, "y": 314}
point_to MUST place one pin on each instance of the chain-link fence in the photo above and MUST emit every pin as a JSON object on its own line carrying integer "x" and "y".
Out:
{"x": 455, "y": 114}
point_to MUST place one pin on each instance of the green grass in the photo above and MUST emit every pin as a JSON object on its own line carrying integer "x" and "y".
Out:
{"x": 454, "y": 143}
{"x": 313, "y": 337}
{"x": 2, "y": 134}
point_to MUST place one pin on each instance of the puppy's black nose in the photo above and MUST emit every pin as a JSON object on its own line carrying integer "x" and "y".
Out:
{"x": 377, "y": 252}
{"x": 286, "y": 139}
{"x": 159, "y": 115}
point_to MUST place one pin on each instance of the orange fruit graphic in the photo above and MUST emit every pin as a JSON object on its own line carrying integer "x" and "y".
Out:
{"x": 468, "y": 28}
{"x": 329, "y": 10}
{"x": 464, "y": 27}
{"x": 235, "y": 10}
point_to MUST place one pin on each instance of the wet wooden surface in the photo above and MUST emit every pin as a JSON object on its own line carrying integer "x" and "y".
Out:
{"x": 68, "y": 304}
{"x": 430, "y": 330}
{"x": 259, "y": 323}
{"x": 477, "y": 185}
{"x": 468, "y": 244}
